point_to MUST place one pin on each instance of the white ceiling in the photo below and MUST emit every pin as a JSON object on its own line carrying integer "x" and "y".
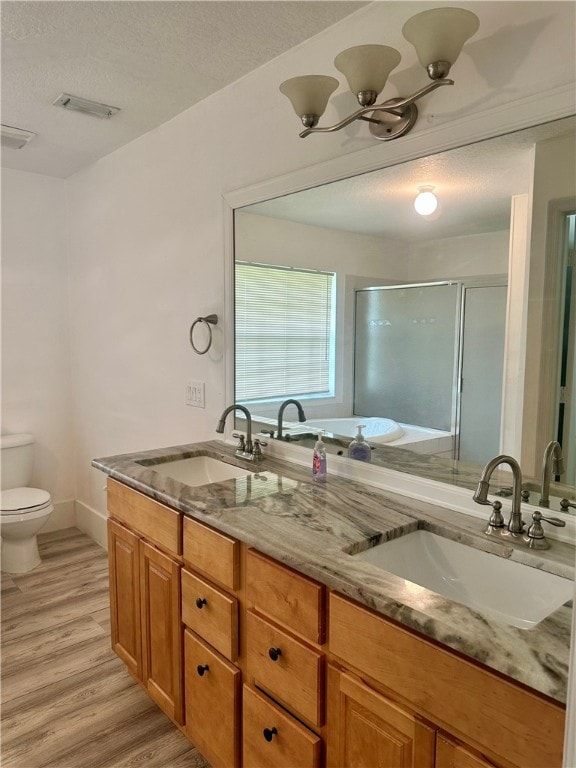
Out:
{"x": 474, "y": 186}
{"x": 153, "y": 59}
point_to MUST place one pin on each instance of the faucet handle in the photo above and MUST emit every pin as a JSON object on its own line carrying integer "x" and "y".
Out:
{"x": 257, "y": 449}
{"x": 496, "y": 522}
{"x": 565, "y": 504}
{"x": 535, "y": 535}
{"x": 537, "y": 516}
{"x": 242, "y": 445}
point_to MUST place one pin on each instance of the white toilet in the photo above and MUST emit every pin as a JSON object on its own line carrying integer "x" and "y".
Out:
{"x": 23, "y": 510}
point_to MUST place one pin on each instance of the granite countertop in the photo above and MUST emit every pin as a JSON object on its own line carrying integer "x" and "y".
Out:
{"x": 315, "y": 529}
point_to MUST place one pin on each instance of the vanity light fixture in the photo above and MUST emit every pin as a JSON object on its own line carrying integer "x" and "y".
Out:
{"x": 425, "y": 201}
{"x": 437, "y": 35}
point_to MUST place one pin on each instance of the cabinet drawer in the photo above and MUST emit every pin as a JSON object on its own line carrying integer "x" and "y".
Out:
{"x": 158, "y": 524}
{"x": 214, "y": 554}
{"x": 211, "y": 614}
{"x": 272, "y": 738}
{"x": 528, "y": 728}
{"x": 286, "y": 596}
{"x": 212, "y": 695}
{"x": 286, "y": 668}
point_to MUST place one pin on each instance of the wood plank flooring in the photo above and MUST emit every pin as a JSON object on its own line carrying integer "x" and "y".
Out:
{"x": 67, "y": 700}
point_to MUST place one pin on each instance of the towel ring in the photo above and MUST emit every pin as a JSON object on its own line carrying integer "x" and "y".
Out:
{"x": 208, "y": 321}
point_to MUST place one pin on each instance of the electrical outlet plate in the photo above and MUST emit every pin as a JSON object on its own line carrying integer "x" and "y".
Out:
{"x": 195, "y": 394}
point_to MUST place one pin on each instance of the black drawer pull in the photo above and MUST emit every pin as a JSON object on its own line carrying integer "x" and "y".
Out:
{"x": 274, "y": 653}
{"x": 201, "y": 668}
{"x": 201, "y": 602}
{"x": 269, "y": 733}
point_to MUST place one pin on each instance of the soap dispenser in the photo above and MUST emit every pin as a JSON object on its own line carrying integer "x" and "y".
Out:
{"x": 319, "y": 460}
{"x": 359, "y": 448}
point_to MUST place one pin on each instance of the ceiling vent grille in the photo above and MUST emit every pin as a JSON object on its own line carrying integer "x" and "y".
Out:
{"x": 94, "y": 108}
{"x": 15, "y": 138}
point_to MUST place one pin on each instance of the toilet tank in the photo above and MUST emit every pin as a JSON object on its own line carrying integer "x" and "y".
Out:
{"x": 17, "y": 456}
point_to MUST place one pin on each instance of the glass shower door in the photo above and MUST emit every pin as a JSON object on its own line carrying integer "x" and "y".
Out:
{"x": 406, "y": 353}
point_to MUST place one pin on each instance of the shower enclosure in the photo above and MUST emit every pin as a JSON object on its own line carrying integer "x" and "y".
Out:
{"x": 431, "y": 355}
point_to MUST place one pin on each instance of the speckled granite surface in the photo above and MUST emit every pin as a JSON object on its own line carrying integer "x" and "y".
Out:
{"x": 279, "y": 510}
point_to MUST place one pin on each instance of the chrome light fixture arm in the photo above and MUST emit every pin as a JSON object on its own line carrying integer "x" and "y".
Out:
{"x": 404, "y": 109}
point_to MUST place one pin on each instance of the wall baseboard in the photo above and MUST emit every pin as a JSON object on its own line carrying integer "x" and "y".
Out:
{"x": 63, "y": 516}
{"x": 92, "y": 523}
{"x": 75, "y": 514}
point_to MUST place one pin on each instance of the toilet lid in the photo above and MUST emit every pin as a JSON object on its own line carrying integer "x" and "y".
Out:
{"x": 17, "y": 500}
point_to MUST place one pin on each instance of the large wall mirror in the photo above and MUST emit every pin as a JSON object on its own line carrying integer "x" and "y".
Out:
{"x": 450, "y": 336}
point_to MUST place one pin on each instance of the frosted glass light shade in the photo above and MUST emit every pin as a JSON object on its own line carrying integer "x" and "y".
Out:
{"x": 426, "y": 201}
{"x": 309, "y": 94}
{"x": 366, "y": 67}
{"x": 439, "y": 34}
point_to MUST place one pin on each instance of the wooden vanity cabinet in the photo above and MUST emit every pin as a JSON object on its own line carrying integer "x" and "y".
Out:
{"x": 484, "y": 717}
{"x": 144, "y": 566}
{"x": 269, "y": 682}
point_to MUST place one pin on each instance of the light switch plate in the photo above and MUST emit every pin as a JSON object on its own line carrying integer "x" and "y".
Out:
{"x": 195, "y": 394}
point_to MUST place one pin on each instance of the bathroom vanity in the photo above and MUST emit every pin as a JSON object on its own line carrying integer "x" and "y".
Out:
{"x": 242, "y": 608}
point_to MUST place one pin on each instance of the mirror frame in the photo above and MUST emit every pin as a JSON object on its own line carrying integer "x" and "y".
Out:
{"x": 529, "y": 113}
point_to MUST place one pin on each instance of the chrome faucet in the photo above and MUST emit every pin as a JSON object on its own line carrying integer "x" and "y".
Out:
{"x": 246, "y": 449}
{"x": 552, "y": 464}
{"x": 301, "y": 415}
{"x": 515, "y": 525}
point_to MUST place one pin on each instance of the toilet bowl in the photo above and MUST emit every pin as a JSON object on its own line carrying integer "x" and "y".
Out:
{"x": 23, "y": 510}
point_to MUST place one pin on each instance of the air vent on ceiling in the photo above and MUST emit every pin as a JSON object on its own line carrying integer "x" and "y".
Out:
{"x": 15, "y": 138}
{"x": 76, "y": 104}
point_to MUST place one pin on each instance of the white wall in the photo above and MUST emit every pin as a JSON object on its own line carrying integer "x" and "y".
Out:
{"x": 36, "y": 387}
{"x": 466, "y": 256}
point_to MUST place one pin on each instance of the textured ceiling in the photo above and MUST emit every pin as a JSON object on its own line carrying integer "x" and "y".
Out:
{"x": 151, "y": 59}
{"x": 473, "y": 185}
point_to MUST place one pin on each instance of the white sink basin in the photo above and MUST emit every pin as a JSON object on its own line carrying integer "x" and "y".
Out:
{"x": 199, "y": 470}
{"x": 508, "y": 591}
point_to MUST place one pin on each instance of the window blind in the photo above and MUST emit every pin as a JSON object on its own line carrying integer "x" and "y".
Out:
{"x": 284, "y": 332}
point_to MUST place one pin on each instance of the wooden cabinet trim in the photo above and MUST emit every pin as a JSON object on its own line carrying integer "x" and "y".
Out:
{"x": 286, "y": 596}
{"x": 152, "y": 520}
{"x": 528, "y": 730}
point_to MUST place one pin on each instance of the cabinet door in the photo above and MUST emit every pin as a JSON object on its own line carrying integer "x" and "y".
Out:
{"x": 212, "y": 687}
{"x": 161, "y": 629}
{"x": 124, "y": 567}
{"x": 450, "y": 754}
{"x": 369, "y": 731}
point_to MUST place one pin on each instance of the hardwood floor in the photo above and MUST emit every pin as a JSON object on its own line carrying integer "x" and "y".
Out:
{"x": 67, "y": 700}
